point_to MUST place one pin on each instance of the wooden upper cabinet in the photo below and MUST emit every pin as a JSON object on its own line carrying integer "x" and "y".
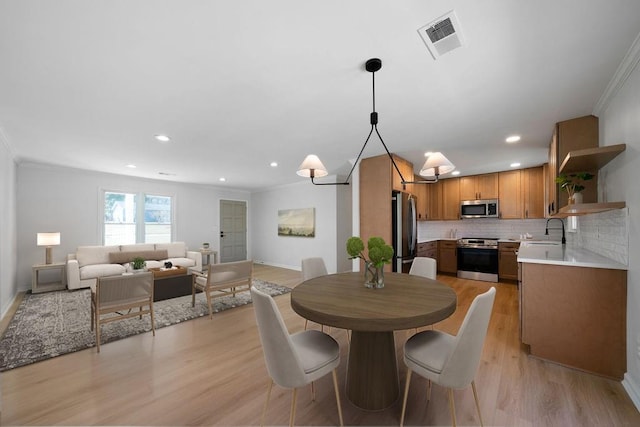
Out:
{"x": 421, "y": 192}
{"x": 510, "y": 199}
{"x": 435, "y": 200}
{"x": 479, "y": 187}
{"x": 533, "y": 192}
{"x": 450, "y": 198}
{"x": 406, "y": 169}
{"x": 571, "y": 135}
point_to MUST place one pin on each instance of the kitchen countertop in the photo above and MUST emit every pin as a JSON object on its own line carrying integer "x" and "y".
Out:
{"x": 556, "y": 254}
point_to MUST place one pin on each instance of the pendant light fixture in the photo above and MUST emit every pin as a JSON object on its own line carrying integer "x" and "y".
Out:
{"x": 435, "y": 165}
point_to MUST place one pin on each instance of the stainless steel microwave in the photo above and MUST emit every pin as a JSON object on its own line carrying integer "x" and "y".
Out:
{"x": 479, "y": 208}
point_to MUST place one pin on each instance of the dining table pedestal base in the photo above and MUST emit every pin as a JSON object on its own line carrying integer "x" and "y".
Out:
{"x": 372, "y": 374}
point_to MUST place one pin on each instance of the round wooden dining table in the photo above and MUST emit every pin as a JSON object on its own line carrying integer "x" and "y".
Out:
{"x": 342, "y": 301}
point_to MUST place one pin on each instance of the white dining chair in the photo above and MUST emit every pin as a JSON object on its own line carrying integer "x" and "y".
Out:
{"x": 450, "y": 361}
{"x": 295, "y": 360}
{"x": 425, "y": 267}
{"x": 312, "y": 268}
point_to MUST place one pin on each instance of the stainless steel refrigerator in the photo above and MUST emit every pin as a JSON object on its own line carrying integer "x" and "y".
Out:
{"x": 405, "y": 230}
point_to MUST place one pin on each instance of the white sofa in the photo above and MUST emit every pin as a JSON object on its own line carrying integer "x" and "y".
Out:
{"x": 91, "y": 262}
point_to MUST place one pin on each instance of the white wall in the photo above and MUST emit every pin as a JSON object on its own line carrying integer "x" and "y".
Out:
{"x": 51, "y": 198}
{"x": 333, "y": 225}
{"x": 8, "y": 288}
{"x": 620, "y": 123}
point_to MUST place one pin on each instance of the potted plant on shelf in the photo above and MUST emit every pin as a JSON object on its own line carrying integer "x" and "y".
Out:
{"x": 379, "y": 254}
{"x": 573, "y": 184}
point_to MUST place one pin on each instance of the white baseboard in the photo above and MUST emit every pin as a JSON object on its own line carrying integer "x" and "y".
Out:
{"x": 633, "y": 390}
{"x": 6, "y": 308}
{"x": 272, "y": 264}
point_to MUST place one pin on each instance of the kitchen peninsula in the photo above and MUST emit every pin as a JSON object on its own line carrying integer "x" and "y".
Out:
{"x": 573, "y": 305}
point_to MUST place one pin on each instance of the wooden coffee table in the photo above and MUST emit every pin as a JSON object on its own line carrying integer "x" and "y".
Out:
{"x": 170, "y": 283}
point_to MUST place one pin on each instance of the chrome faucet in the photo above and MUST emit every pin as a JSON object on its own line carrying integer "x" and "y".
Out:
{"x": 546, "y": 229}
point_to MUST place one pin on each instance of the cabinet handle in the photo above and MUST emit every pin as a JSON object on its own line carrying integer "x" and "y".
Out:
{"x": 526, "y": 214}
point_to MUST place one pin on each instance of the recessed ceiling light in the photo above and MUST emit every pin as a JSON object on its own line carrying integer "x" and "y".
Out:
{"x": 131, "y": 166}
{"x": 428, "y": 153}
{"x": 222, "y": 179}
{"x": 274, "y": 164}
{"x": 455, "y": 173}
{"x": 515, "y": 165}
{"x": 512, "y": 139}
{"x": 163, "y": 138}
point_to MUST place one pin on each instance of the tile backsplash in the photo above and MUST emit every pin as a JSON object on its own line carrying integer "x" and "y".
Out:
{"x": 605, "y": 233}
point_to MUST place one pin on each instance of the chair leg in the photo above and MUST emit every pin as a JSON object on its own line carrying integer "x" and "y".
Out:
{"x": 266, "y": 402}
{"x": 406, "y": 394}
{"x": 293, "y": 407}
{"x": 313, "y": 392}
{"x": 98, "y": 330}
{"x": 193, "y": 296}
{"x": 306, "y": 323}
{"x": 335, "y": 387}
{"x": 209, "y": 303}
{"x": 452, "y": 407}
{"x": 153, "y": 322}
{"x": 475, "y": 396}
{"x": 428, "y": 390}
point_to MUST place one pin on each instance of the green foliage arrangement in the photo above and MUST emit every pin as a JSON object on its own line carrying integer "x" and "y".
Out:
{"x": 379, "y": 252}
{"x": 138, "y": 263}
{"x": 573, "y": 182}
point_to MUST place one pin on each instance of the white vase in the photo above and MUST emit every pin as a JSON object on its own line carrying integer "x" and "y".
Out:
{"x": 577, "y": 198}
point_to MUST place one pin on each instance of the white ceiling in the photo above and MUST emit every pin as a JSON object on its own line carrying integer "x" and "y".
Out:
{"x": 239, "y": 84}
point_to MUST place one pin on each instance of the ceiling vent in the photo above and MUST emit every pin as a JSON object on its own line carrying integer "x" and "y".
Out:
{"x": 442, "y": 35}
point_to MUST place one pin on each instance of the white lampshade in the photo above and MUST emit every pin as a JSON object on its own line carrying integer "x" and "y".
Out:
{"x": 436, "y": 162}
{"x": 312, "y": 162}
{"x": 48, "y": 239}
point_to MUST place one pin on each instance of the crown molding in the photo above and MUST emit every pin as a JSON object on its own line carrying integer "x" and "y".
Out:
{"x": 620, "y": 77}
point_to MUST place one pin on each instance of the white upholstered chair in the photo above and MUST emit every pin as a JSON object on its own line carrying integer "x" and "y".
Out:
{"x": 114, "y": 295}
{"x": 295, "y": 360}
{"x": 425, "y": 267}
{"x": 222, "y": 279}
{"x": 450, "y": 361}
{"x": 311, "y": 268}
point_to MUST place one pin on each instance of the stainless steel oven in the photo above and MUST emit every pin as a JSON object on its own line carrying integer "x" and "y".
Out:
{"x": 478, "y": 259}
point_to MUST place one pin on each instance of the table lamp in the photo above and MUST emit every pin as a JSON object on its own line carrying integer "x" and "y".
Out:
{"x": 48, "y": 240}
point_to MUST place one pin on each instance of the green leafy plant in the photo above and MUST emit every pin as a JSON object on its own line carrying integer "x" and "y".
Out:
{"x": 379, "y": 252}
{"x": 138, "y": 263}
{"x": 573, "y": 182}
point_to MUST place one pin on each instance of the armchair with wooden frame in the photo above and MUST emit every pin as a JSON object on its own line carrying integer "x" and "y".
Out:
{"x": 116, "y": 297}
{"x": 222, "y": 279}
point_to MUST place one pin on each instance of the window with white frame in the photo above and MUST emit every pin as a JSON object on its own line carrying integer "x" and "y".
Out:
{"x": 127, "y": 221}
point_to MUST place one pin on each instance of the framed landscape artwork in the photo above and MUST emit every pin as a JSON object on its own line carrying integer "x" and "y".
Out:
{"x": 297, "y": 222}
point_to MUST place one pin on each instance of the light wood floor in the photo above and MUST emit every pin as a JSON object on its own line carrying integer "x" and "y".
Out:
{"x": 211, "y": 372}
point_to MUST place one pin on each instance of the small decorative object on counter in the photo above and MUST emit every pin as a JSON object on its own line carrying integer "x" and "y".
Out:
{"x": 379, "y": 254}
{"x": 168, "y": 264}
{"x": 205, "y": 246}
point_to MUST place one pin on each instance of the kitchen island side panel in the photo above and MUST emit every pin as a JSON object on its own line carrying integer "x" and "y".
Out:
{"x": 576, "y": 316}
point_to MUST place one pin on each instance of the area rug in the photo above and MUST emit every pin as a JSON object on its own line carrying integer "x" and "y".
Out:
{"x": 55, "y": 323}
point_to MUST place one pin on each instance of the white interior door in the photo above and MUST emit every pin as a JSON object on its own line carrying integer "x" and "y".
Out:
{"x": 233, "y": 230}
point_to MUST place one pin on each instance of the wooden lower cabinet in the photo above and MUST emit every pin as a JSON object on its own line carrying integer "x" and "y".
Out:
{"x": 575, "y": 316}
{"x": 428, "y": 250}
{"x": 447, "y": 256}
{"x": 508, "y": 260}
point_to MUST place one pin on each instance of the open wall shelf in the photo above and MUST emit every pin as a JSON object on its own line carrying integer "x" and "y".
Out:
{"x": 588, "y": 208}
{"x": 590, "y": 159}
